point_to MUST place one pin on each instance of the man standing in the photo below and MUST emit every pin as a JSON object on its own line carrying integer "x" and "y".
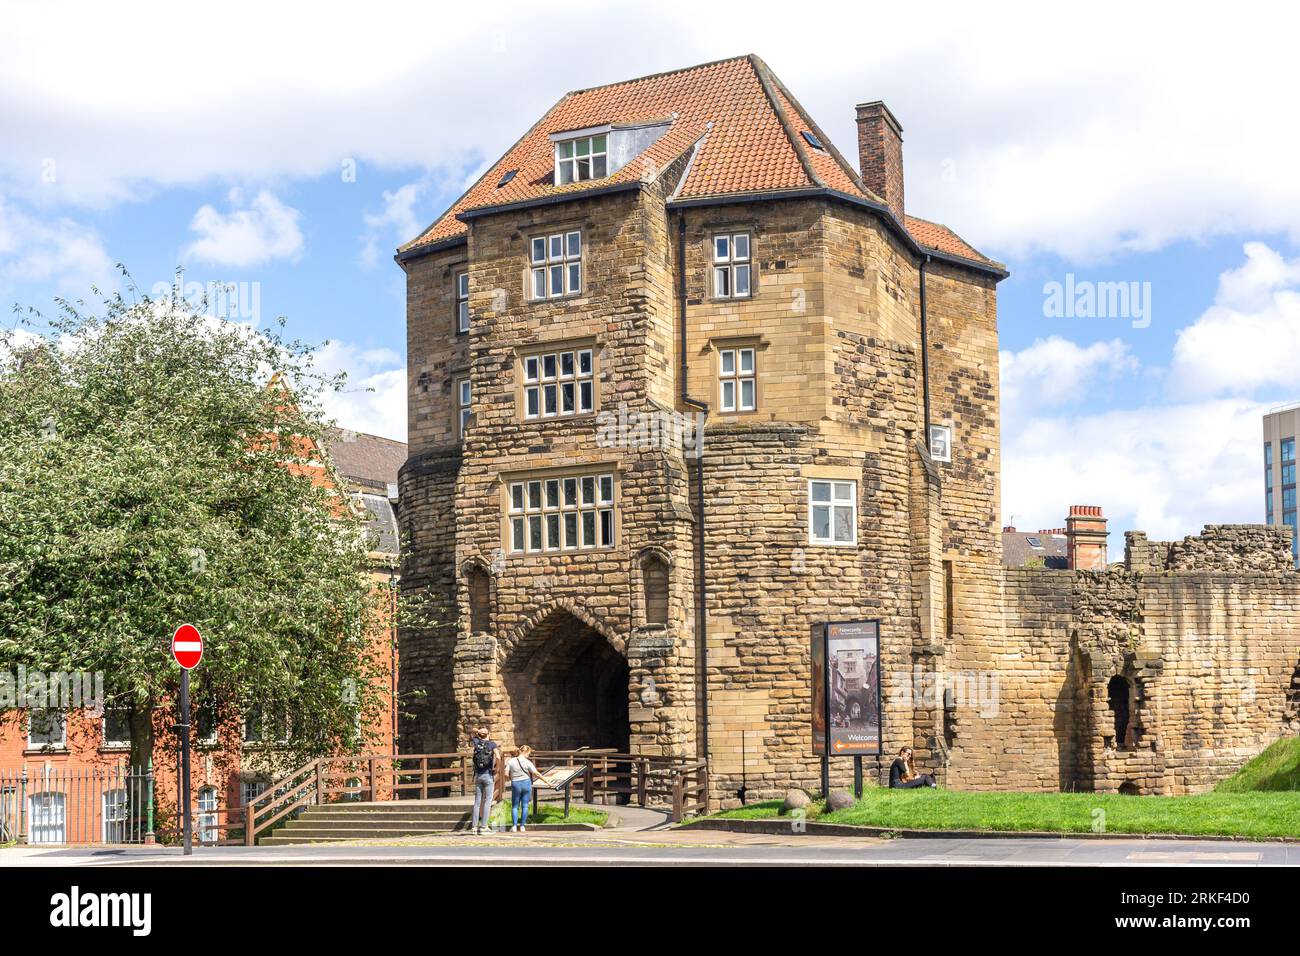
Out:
{"x": 486, "y": 756}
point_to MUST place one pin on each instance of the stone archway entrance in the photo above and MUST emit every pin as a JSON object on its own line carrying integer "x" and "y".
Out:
{"x": 568, "y": 686}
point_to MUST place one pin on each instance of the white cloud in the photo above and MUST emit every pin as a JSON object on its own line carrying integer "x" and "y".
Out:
{"x": 374, "y": 398}
{"x": 1043, "y": 130}
{"x": 1170, "y": 467}
{"x": 395, "y": 224}
{"x": 264, "y": 230}
{"x": 63, "y": 251}
{"x": 1166, "y": 470}
{"x": 1250, "y": 337}
{"x": 1055, "y": 371}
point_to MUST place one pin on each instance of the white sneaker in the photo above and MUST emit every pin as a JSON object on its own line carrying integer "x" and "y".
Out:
{"x": 514, "y": 829}
{"x": 523, "y": 829}
{"x": 487, "y": 830}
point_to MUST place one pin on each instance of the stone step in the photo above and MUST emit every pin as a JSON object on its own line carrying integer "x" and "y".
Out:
{"x": 384, "y": 818}
{"x": 312, "y": 834}
{"x": 396, "y": 806}
{"x": 386, "y": 823}
{"x": 303, "y": 840}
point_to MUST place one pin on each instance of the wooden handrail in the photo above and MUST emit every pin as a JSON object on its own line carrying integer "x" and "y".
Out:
{"x": 387, "y": 777}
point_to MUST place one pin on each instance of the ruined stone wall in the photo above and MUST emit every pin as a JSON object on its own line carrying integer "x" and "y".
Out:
{"x": 1219, "y": 547}
{"x": 1205, "y": 661}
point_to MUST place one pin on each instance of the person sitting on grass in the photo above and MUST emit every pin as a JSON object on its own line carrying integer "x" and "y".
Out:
{"x": 522, "y": 773}
{"x": 903, "y": 776}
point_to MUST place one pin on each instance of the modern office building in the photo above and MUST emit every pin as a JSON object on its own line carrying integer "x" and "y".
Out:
{"x": 1280, "y": 427}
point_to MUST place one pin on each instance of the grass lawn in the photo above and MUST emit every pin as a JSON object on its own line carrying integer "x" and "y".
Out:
{"x": 1277, "y": 768}
{"x": 1244, "y": 814}
{"x": 549, "y": 813}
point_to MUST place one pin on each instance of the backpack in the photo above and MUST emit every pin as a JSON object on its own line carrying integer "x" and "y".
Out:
{"x": 483, "y": 756}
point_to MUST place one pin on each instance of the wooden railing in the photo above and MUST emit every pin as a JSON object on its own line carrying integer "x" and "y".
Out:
{"x": 641, "y": 779}
{"x": 690, "y": 790}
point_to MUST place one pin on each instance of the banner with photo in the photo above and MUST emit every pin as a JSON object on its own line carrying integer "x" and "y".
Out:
{"x": 846, "y": 688}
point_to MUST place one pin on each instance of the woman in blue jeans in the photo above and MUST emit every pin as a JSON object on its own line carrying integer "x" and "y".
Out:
{"x": 522, "y": 773}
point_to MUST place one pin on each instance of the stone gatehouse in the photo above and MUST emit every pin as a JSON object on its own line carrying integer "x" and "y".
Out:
{"x": 691, "y": 244}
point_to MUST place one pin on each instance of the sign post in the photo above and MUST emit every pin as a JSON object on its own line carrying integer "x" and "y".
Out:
{"x": 187, "y": 649}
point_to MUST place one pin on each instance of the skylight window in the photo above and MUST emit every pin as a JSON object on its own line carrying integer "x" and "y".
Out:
{"x": 1033, "y": 542}
{"x": 813, "y": 141}
{"x": 507, "y": 177}
{"x": 578, "y": 160}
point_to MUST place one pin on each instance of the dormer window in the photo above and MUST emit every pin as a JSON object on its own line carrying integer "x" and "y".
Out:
{"x": 577, "y": 160}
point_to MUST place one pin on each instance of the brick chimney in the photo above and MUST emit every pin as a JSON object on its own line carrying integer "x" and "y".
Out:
{"x": 1085, "y": 534}
{"x": 880, "y": 154}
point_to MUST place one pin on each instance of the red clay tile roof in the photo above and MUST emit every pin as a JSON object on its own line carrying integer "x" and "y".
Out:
{"x": 745, "y": 125}
{"x": 940, "y": 238}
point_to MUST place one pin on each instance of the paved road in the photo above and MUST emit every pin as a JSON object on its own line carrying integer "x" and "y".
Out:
{"x": 686, "y": 847}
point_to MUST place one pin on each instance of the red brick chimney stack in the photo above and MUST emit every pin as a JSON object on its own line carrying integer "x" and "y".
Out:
{"x": 1085, "y": 533}
{"x": 880, "y": 154}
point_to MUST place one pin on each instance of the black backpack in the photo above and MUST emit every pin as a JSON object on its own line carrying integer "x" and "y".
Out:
{"x": 483, "y": 756}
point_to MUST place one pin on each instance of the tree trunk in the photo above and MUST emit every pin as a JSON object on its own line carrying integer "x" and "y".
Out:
{"x": 141, "y": 720}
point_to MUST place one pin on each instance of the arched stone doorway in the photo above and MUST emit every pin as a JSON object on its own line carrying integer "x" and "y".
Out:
{"x": 568, "y": 686}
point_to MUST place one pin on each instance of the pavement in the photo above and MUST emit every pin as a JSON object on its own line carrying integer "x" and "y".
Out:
{"x": 685, "y": 847}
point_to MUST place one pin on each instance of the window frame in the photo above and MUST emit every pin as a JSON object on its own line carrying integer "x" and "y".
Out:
{"x": 208, "y": 819}
{"x": 539, "y": 506}
{"x": 946, "y": 431}
{"x": 832, "y": 504}
{"x": 542, "y": 385}
{"x": 40, "y": 823}
{"x": 62, "y": 743}
{"x": 115, "y": 815}
{"x": 730, "y": 264}
{"x": 464, "y": 409}
{"x": 566, "y": 260}
{"x": 574, "y": 158}
{"x": 109, "y": 743}
{"x": 462, "y": 302}
{"x": 736, "y": 378}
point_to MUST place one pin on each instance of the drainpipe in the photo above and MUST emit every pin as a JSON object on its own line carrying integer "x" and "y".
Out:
{"x": 701, "y": 579}
{"x": 925, "y": 356}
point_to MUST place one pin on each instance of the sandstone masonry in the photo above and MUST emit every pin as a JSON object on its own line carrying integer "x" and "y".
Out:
{"x": 564, "y": 618}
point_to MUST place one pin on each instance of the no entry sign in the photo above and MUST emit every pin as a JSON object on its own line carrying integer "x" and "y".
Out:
{"x": 187, "y": 646}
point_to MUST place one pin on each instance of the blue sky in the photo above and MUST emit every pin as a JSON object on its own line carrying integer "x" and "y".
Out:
{"x": 251, "y": 145}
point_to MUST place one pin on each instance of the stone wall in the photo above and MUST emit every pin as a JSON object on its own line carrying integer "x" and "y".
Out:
{"x": 999, "y": 678}
{"x": 1219, "y": 547}
{"x": 1205, "y": 659}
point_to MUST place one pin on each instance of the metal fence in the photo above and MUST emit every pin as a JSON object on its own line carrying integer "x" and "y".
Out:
{"x": 58, "y": 806}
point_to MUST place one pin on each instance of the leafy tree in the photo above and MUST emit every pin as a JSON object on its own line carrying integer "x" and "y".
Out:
{"x": 158, "y": 466}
